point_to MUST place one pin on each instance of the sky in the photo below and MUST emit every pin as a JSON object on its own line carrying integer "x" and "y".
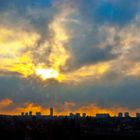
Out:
{"x": 73, "y": 55}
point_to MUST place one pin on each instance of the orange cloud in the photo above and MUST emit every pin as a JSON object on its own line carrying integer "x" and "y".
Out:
{"x": 5, "y": 103}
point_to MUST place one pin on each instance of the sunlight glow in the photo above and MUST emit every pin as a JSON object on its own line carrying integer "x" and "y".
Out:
{"x": 47, "y": 73}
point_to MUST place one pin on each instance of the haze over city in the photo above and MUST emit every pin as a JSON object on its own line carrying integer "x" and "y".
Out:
{"x": 73, "y": 55}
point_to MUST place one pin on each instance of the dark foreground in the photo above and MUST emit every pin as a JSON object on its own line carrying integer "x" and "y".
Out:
{"x": 65, "y": 128}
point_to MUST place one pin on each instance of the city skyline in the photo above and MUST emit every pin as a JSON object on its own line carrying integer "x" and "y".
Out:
{"x": 52, "y": 114}
{"x": 84, "y": 115}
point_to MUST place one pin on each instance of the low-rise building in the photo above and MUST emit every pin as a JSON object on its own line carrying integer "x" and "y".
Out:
{"x": 105, "y": 115}
{"x": 126, "y": 114}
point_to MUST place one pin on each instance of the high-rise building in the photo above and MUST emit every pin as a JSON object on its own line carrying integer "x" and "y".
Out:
{"x": 126, "y": 114}
{"x": 138, "y": 115}
{"x": 120, "y": 115}
{"x": 26, "y": 113}
{"x": 30, "y": 113}
{"x": 51, "y": 111}
{"x": 84, "y": 115}
{"x": 77, "y": 115}
{"x": 71, "y": 114}
{"x": 22, "y": 113}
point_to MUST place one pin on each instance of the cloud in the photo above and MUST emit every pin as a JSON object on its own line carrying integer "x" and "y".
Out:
{"x": 60, "y": 47}
{"x": 5, "y": 102}
{"x": 94, "y": 47}
{"x": 26, "y": 95}
{"x": 108, "y": 11}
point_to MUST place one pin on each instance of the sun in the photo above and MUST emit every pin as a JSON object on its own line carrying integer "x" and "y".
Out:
{"x": 47, "y": 73}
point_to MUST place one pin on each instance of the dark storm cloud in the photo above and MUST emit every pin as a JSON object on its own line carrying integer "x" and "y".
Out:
{"x": 106, "y": 95}
{"x": 90, "y": 53}
{"x": 12, "y": 87}
{"x": 126, "y": 94}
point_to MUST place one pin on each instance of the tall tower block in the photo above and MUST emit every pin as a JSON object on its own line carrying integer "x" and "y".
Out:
{"x": 51, "y": 111}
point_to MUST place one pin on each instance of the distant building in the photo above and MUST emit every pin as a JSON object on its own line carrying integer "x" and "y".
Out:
{"x": 26, "y": 113}
{"x": 30, "y": 113}
{"x": 51, "y": 112}
{"x": 126, "y": 114}
{"x": 22, "y": 113}
{"x": 38, "y": 113}
{"x": 71, "y": 114}
{"x": 138, "y": 115}
{"x": 77, "y": 115}
{"x": 84, "y": 115}
{"x": 120, "y": 115}
{"x": 102, "y": 115}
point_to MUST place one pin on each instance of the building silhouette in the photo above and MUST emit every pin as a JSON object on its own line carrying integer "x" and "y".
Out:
{"x": 120, "y": 115}
{"x": 51, "y": 111}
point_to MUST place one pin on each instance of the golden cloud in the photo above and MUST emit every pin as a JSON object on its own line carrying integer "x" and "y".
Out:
{"x": 20, "y": 52}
